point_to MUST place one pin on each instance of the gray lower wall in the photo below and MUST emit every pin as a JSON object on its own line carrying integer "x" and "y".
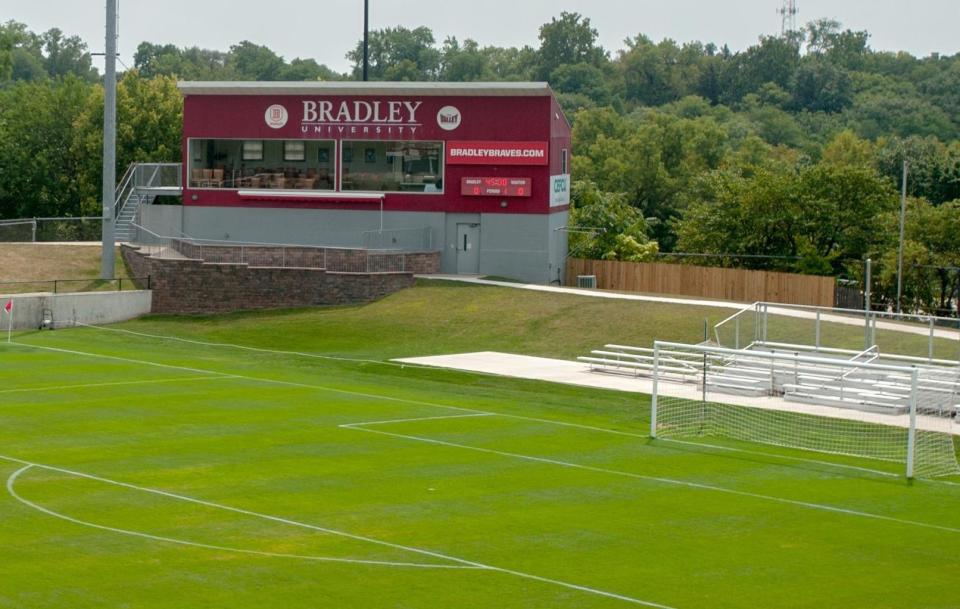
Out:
{"x": 527, "y": 247}
{"x": 165, "y": 220}
{"x": 330, "y": 227}
{"x": 558, "y": 246}
{"x": 84, "y": 307}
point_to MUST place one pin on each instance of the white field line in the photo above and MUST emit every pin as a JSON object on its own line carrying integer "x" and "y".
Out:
{"x": 389, "y": 421}
{"x": 448, "y": 407}
{"x": 203, "y": 343}
{"x": 443, "y": 406}
{"x": 122, "y": 359}
{"x": 432, "y": 404}
{"x": 432, "y": 554}
{"x": 668, "y": 481}
{"x": 11, "y": 481}
{"x": 180, "y": 379}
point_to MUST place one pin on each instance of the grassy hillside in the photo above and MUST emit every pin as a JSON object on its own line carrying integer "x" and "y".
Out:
{"x": 29, "y": 267}
{"x": 438, "y": 317}
{"x": 448, "y": 317}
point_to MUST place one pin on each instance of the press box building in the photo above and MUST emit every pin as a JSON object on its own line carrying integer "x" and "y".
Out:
{"x": 478, "y": 171}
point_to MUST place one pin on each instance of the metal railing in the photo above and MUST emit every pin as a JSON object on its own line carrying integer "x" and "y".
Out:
{"x": 271, "y": 255}
{"x": 60, "y": 286}
{"x": 125, "y": 188}
{"x": 79, "y": 228}
{"x": 822, "y": 327}
{"x": 398, "y": 239}
{"x": 158, "y": 175}
{"x": 146, "y": 176}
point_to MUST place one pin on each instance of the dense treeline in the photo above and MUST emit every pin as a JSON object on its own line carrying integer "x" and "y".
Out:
{"x": 786, "y": 155}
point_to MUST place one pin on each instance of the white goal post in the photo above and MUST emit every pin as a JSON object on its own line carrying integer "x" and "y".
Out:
{"x": 857, "y": 407}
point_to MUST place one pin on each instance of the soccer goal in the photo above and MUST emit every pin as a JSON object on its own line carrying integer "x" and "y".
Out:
{"x": 20, "y": 231}
{"x": 855, "y": 407}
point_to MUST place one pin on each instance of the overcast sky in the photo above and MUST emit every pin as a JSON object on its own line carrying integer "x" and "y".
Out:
{"x": 326, "y": 29}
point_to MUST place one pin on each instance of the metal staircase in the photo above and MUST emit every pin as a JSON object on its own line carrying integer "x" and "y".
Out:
{"x": 123, "y": 225}
{"x": 140, "y": 185}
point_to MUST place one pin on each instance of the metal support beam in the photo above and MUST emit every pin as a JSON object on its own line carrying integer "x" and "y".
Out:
{"x": 654, "y": 396}
{"x": 912, "y": 431}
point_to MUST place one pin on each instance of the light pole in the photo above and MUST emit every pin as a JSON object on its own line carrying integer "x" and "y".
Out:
{"x": 109, "y": 142}
{"x": 903, "y": 214}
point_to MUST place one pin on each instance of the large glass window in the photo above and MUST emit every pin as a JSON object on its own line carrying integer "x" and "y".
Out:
{"x": 378, "y": 166}
{"x": 242, "y": 164}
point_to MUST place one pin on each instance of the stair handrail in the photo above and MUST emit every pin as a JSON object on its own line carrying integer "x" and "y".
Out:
{"x": 124, "y": 189}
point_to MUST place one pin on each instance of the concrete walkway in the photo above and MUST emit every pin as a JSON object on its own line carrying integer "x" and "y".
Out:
{"x": 577, "y": 373}
{"x": 784, "y": 311}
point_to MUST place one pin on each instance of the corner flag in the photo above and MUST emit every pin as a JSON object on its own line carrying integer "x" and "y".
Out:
{"x": 8, "y": 309}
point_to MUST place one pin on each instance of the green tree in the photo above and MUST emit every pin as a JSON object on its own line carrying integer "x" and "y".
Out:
{"x": 149, "y": 129}
{"x": 38, "y": 169}
{"x": 6, "y": 55}
{"x": 463, "y": 63}
{"x": 67, "y": 56}
{"x": 820, "y": 86}
{"x": 934, "y": 172}
{"x": 774, "y": 60}
{"x": 397, "y": 54}
{"x": 605, "y": 227}
{"x": 307, "y": 69}
{"x": 191, "y": 63}
{"x": 255, "y": 62}
{"x": 568, "y": 40}
{"x": 583, "y": 79}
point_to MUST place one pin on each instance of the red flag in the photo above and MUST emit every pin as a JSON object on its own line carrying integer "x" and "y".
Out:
{"x": 9, "y": 306}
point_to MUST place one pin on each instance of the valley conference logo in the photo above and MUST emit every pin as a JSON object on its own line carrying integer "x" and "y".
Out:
{"x": 449, "y": 117}
{"x": 276, "y": 116}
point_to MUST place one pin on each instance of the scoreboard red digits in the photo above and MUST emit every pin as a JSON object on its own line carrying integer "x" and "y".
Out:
{"x": 495, "y": 187}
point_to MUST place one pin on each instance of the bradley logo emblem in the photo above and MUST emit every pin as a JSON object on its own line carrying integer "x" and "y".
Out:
{"x": 449, "y": 118}
{"x": 276, "y": 116}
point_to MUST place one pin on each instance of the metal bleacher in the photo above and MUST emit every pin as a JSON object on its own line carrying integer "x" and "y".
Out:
{"x": 752, "y": 372}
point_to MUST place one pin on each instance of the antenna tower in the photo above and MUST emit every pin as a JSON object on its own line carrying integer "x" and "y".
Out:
{"x": 788, "y": 13}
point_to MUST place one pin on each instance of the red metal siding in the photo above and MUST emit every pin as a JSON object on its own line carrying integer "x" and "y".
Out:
{"x": 503, "y": 119}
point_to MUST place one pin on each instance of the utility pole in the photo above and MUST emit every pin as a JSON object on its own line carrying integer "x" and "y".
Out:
{"x": 366, "y": 40}
{"x": 107, "y": 261}
{"x": 903, "y": 215}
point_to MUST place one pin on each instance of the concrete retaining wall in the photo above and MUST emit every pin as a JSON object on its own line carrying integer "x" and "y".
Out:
{"x": 84, "y": 307}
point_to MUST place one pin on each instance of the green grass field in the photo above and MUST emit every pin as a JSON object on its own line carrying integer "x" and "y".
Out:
{"x": 151, "y": 472}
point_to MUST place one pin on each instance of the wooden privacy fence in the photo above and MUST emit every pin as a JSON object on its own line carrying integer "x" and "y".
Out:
{"x": 706, "y": 282}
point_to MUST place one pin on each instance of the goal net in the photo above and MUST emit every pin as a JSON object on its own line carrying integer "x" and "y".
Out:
{"x": 857, "y": 407}
{"x": 18, "y": 231}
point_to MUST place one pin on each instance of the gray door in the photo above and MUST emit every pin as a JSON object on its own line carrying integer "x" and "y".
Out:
{"x": 468, "y": 249}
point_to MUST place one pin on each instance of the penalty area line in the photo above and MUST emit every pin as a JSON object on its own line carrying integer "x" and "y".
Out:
{"x": 460, "y": 561}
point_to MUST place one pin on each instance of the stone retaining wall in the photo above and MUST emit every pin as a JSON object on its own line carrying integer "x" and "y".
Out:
{"x": 191, "y": 286}
{"x": 335, "y": 260}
